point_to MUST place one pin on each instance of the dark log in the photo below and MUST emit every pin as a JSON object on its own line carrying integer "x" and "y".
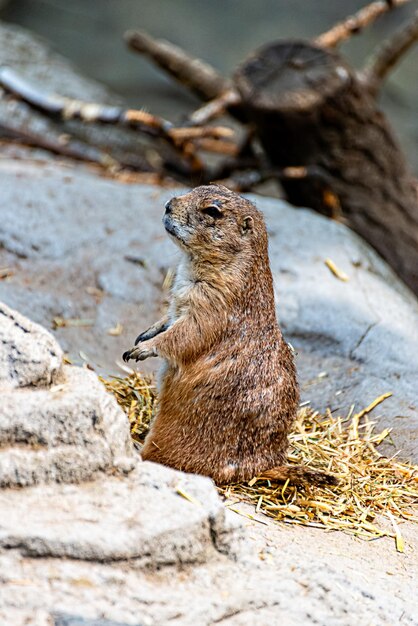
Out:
{"x": 310, "y": 110}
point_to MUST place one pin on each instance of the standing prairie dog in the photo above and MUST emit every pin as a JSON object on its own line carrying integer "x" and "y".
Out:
{"x": 228, "y": 389}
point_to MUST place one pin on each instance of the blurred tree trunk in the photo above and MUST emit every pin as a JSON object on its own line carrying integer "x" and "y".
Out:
{"x": 311, "y": 111}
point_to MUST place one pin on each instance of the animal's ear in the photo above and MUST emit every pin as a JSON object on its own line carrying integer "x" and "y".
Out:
{"x": 247, "y": 225}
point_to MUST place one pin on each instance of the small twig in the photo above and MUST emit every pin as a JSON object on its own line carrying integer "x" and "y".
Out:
{"x": 190, "y": 133}
{"x": 354, "y": 24}
{"x": 389, "y": 53}
{"x": 206, "y": 82}
{"x": 215, "y": 108}
{"x": 69, "y": 108}
{"x": 228, "y": 148}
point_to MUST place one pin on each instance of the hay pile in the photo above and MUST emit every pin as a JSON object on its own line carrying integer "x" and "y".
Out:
{"x": 137, "y": 396}
{"x": 374, "y": 494}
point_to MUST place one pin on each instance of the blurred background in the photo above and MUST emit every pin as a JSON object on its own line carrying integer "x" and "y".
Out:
{"x": 223, "y": 32}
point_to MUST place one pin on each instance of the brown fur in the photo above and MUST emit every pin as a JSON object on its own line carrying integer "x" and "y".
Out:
{"x": 228, "y": 392}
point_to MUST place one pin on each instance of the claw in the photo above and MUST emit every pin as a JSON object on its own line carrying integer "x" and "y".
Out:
{"x": 139, "y": 354}
{"x": 151, "y": 332}
{"x": 140, "y": 337}
{"x": 126, "y": 355}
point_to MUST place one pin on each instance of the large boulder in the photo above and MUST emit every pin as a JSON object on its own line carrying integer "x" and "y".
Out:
{"x": 73, "y": 487}
{"x": 103, "y": 264}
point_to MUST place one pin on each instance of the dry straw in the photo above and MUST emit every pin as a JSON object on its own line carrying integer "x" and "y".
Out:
{"x": 374, "y": 495}
{"x": 137, "y": 396}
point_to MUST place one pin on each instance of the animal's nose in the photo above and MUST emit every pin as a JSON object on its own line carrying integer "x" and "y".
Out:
{"x": 169, "y": 207}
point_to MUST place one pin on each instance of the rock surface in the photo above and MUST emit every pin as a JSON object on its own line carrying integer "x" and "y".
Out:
{"x": 289, "y": 583}
{"x": 29, "y": 355}
{"x": 29, "y": 57}
{"x": 143, "y": 517}
{"x": 67, "y": 433}
{"x": 105, "y": 263}
{"x": 116, "y": 509}
{"x": 57, "y": 423}
{"x": 128, "y": 540}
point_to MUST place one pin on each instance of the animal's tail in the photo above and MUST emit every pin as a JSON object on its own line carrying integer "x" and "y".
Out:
{"x": 299, "y": 474}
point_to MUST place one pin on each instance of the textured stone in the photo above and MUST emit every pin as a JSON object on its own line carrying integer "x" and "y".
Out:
{"x": 143, "y": 517}
{"x": 359, "y": 336}
{"x": 22, "y": 617}
{"x": 67, "y": 433}
{"x": 64, "y": 619}
{"x": 29, "y": 355}
{"x": 302, "y": 578}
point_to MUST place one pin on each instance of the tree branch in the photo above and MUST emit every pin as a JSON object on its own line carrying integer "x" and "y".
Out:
{"x": 215, "y": 108}
{"x": 200, "y": 77}
{"x": 180, "y": 138}
{"x": 353, "y": 24}
{"x": 388, "y": 54}
{"x": 69, "y": 108}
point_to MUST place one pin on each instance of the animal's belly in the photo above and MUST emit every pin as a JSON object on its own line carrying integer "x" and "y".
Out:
{"x": 229, "y": 386}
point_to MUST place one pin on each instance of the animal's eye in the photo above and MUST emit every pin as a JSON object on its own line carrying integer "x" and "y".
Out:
{"x": 213, "y": 211}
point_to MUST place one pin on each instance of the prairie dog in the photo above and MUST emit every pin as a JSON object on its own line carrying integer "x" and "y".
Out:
{"x": 229, "y": 391}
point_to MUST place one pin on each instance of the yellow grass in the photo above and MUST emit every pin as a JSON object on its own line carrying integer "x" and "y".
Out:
{"x": 374, "y": 495}
{"x": 137, "y": 396}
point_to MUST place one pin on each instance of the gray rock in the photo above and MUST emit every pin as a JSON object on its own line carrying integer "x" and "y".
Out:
{"x": 362, "y": 334}
{"x": 29, "y": 355}
{"x": 22, "y": 617}
{"x": 143, "y": 517}
{"x": 296, "y": 583}
{"x": 355, "y": 340}
{"x": 145, "y": 514}
{"x": 24, "y": 50}
{"x": 66, "y": 433}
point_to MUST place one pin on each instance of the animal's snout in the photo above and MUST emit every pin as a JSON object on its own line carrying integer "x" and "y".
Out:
{"x": 169, "y": 206}
{"x": 168, "y": 219}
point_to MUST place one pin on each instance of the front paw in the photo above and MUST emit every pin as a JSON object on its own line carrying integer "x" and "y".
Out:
{"x": 139, "y": 353}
